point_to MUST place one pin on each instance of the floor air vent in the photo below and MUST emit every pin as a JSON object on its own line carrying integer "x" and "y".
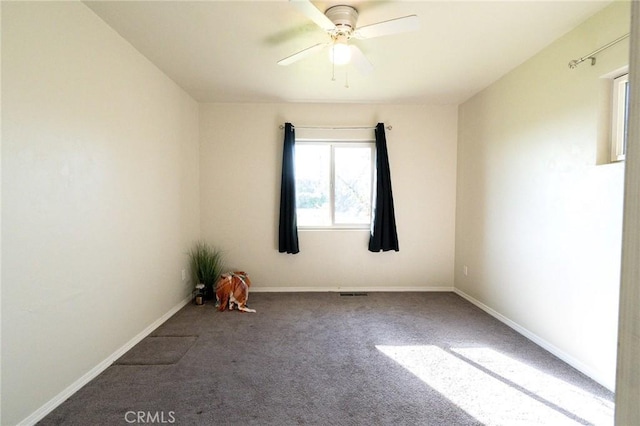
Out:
{"x": 354, "y": 294}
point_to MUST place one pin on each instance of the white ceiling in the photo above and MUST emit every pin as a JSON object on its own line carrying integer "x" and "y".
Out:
{"x": 226, "y": 51}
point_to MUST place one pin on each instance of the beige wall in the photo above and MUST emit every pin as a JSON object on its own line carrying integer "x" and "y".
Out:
{"x": 538, "y": 222}
{"x": 240, "y": 160}
{"x": 100, "y": 197}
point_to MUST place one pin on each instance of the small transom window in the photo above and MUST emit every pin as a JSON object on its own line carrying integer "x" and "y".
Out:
{"x": 620, "y": 118}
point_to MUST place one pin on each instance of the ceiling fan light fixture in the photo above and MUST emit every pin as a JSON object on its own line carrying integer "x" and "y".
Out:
{"x": 340, "y": 52}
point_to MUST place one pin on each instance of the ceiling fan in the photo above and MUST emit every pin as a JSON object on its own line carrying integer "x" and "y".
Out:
{"x": 339, "y": 22}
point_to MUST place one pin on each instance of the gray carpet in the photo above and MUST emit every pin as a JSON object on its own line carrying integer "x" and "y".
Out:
{"x": 158, "y": 350}
{"x": 326, "y": 359}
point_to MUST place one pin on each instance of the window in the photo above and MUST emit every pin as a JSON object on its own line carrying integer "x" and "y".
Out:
{"x": 334, "y": 184}
{"x": 620, "y": 117}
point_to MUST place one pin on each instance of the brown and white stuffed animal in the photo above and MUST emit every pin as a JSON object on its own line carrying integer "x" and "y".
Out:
{"x": 233, "y": 288}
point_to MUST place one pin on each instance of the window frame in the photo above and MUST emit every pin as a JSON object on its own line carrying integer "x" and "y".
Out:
{"x": 333, "y": 143}
{"x": 619, "y": 117}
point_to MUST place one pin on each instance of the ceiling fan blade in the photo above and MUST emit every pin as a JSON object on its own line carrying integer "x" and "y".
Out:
{"x": 302, "y": 54}
{"x": 392, "y": 26}
{"x": 360, "y": 61}
{"x": 313, "y": 13}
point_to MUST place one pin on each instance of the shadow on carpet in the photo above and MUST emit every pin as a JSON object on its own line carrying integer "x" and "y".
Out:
{"x": 158, "y": 350}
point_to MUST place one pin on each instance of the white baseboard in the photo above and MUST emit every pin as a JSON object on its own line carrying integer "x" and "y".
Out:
{"x": 41, "y": 412}
{"x": 578, "y": 365}
{"x": 347, "y": 289}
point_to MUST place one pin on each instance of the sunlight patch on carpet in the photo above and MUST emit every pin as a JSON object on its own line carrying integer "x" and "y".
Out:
{"x": 510, "y": 395}
{"x": 581, "y": 403}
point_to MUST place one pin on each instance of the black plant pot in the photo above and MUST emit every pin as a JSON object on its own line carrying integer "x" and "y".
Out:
{"x": 209, "y": 293}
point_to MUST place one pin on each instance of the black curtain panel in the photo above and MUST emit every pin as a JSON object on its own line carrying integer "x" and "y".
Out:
{"x": 288, "y": 231}
{"x": 383, "y": 229}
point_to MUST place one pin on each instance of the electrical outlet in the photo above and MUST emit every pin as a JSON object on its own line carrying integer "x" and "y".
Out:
{"x": 465, "y": 270}
{"x": 184, "y": 275}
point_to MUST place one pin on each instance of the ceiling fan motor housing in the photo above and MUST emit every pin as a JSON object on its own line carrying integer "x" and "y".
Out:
{"x": 344, "y": 18}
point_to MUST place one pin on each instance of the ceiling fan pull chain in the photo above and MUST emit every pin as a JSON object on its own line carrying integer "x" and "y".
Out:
{"x": 346, "y": 78}
{"x": 333, "y": 70}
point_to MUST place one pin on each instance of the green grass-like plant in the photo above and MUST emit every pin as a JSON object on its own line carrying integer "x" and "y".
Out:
{"x": 206, "y": 265}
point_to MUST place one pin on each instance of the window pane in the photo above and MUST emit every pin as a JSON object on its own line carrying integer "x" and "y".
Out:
{"x": 619, "y": 117}
{"x": 625, "y": 135}
{"x": 312, "y": 184}
{"x": 352, "y": 185}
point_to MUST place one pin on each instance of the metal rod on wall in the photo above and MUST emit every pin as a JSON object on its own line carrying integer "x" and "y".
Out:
{"x": 573, "y": 64}
{"x": 338, "y": 128}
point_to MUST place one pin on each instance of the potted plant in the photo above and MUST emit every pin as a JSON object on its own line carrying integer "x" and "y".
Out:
{"x": 206, "y": 266}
